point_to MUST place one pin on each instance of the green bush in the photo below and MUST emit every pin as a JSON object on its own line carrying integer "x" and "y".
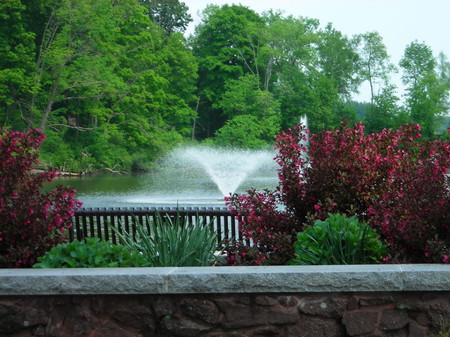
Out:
{"x": 91, "y": 253}
{"x": 338, "y": 240}
{"x": 173, "y": 243}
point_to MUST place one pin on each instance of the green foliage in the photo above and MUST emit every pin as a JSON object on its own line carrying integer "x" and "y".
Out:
{"x": 113, "y": 83}
{"x": 243, "y": 131}
{"x": 171, "y": 15}
{"x": 99, "y": 77}
{"x": 253, "y": 115}
{"x": 91, "y": 253}
{"x": 172, "y": 243}
{"x": 426, "y": 93}
{"x": 338, "y": 240}
{"x": 374, "y": 60}
{"x": 223, "y": 48}
{"x": 384, "y": 113}
{"x": 17, "y": 52}
{"x": 338, "y": 60}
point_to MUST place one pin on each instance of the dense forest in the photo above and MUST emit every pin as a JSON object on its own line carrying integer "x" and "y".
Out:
{"x": 115, "y": 84}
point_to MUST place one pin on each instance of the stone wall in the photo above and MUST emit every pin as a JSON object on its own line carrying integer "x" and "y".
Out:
{"x": 321, "y": 301}
{"x": 417, "y": 314}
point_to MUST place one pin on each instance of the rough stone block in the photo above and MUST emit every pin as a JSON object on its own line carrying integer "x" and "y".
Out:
{"x": 422, "y": 319}
{"x": 267, "y": 330}
{"x": 352, "y": 303}
{"x": 314, "y": 327}
{"x": 393, "y": 319}
{"x": 376, "y": 301}
{"x": 439, "y": 313}
{"x": 14, "y": 318}
{"x": 265, "y": 301}
{"x": 325, "y": 306}
{"x": 288, "y": 301}
{"x": 415, "y": 330}
{"x": 360, "y": 322}
{"x": 136, "y": 317}
{"x": 183, "y": 327}
{"x": 201, "y": 309}
{"x": 240, "y": 316}
{"x": 163, "y": 306}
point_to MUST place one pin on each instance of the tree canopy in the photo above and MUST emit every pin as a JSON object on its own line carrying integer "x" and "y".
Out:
{"x": 116, "y": 84}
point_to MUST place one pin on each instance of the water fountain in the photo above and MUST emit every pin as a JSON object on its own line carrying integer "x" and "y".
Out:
{"x": 227, "y": 168}
{"x": 304, "y": 121}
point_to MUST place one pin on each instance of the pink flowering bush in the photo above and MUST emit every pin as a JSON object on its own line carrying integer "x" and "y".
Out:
{"x": 391, "y": 180}
{"x": 31, "y": 222}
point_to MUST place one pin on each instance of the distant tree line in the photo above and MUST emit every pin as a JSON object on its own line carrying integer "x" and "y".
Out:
{"x": 116, "y": 84}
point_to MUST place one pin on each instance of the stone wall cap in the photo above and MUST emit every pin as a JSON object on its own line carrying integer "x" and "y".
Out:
{"x": 263, "y": 279}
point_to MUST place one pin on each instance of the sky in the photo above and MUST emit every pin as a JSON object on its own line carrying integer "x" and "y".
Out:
{"x": 399, "y": 22}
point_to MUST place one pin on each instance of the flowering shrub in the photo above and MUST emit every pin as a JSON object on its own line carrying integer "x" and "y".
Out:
{"x": 390, "y": 180}
{"x": 31, "y": 222}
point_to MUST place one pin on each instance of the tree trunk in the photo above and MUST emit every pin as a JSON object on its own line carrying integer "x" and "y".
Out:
{"x": 49, "y": 106}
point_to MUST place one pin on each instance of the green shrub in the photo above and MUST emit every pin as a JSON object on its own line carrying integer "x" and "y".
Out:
{"x": 91, "y": 253}
{"x": 338, "y": 240}
{"x": 173, "y": 243}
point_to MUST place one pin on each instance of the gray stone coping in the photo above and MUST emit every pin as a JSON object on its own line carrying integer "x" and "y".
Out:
{"x": 209, "y": 280}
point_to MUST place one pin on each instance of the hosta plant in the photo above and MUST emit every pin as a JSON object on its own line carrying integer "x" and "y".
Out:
{"x": 338, "y": 240}
{"x": 91, "y": 253}
{"x": 172, "y": 242}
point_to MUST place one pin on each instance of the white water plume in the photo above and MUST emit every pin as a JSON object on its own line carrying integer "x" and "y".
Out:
{"x": 227, "y": 168}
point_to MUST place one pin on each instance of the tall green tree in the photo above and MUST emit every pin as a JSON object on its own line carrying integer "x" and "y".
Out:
{"x": 244, "y": 97}
{"x": 385, "y": 111}
{"x": 221, "y": 44}
{"x": 339, "y": 60}
{"x": 374, "y": 61}
{"x": 172, "y": 15}
{"x": 426, "y": 93}
{"x": 292, "y": 43}
{"x": 105, "y": 82}
{"x": 17, "y": 52}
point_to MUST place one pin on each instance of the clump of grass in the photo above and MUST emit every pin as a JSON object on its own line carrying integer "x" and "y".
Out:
{"x": 172, "y": 242}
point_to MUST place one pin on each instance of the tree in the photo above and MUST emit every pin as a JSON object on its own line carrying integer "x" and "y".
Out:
{"x": 385, "y": 112}
{"x": 426, "y": 93}
{"x": 105, "y": 79}
{"x": 172, "y": 15}
{"x": 244, "y": 98}
{"x": 374, "y": 60}
{"x": 17, "y": 52}
{"x": 221, "y": 44}
{"x": 444, "y": 74}
{"x": 338, "y": 60}
{"x": 242, "y": 131}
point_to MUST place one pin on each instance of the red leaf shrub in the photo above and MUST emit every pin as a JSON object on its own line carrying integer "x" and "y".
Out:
{"x": 270, "y": 230}
{"x": 389, "y": 179}
{"x": 31, "y": 222}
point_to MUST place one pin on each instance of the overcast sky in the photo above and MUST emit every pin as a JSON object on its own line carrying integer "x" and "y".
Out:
{"x": 399, "y": 22}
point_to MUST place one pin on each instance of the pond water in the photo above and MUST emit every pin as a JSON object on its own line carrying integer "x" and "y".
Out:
{"x": 185, "y": 186}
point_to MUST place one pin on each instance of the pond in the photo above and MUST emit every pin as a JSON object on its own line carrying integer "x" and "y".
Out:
{"x": 172, "y": 185}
